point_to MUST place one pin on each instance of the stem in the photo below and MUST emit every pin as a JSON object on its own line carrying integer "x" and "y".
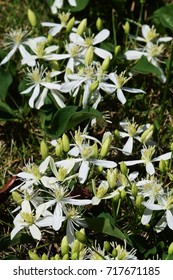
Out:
{"x": 113, "y": 28}
{"x": 140, "y": 16}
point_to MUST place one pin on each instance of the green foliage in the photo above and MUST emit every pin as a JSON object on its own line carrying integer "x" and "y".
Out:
{"x": 164, "y": 17}
{"x": 5, "y": 81}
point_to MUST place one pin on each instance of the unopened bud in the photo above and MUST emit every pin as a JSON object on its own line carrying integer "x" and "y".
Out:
{"x": 116, "y": 197}
{"x": 114, "y": 253}
{"x": 116, "y": 135}
{"x": 82, "y": 26}
{"x": 44, "y": 257}
{"x": 123, "y": 168}
{"x": 81, "y": 237}
{"x": 172, "y": 147}
{"x": 70, "y": 24}
{"x": 106, "y": 145}
{"x": 126, "y": 28}
{"x": 65, "y": 143}
{"x": 94, "y": 150}
{"x": 123, "y": 194}
{"x": 162, "y": 166}
{"x": 99, "y": 24}
{"x": 89, "y": 55}
{"x": 170, "y": 249}
{"x": 17, "y": 197}
{"x": 75, "y": 246}
{"x": 106, "y": 246}
{"x": 57, "y": 257}
{"x": 94, "y": 86}
{"x": 74, "y": 256}
{"x": 147, "y": 134}
{"x": 105, "y": 64}
{"x": 111, "y": 177}
{"x": 50, "y": 39}
{"x": 32, "y": 18}
{"x": 59, "y": 148}
{"x": 44, "y": 151}
{"x": 54, "y": 65}
{"x": 139, "y": 200}
{"x": 134, "y": 190}
{"x": 64, "y": 246}
{"x": 33, "y": 256}
{"x": 65, "y": 257}
{"x": 117, "y": 50}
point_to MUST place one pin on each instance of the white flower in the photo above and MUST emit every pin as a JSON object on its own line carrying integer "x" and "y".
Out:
{"x": 132, "y": 132}
{"x": 92, "y": 41}
{"x": 102, "y": 192}
{"x": 119, "y": 81}
{"x": 40, "y": 85}
{"x": 58, "y": 4}
{"x": 27, "y": 219}
{"x": 16, "y": 39}
{"x": 147, "y": 154}
{"x": 164, "y": 203}
{"x": 60, "y": 199}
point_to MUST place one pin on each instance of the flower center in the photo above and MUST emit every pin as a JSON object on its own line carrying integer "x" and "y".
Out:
{"x": 28, "y": 217}
{"x": 147, "y": 154}
{"x": 151, "y": 34}
{"x": 64, "y": 17}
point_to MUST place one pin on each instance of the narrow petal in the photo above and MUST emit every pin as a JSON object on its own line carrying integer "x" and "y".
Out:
{"x": 101, "y": 36}
{"x": 57, "y": 217}
{"x": 9, "y": 55}
{"x": 164, "y": 157}
{"x": 34, "y": 96}
{"x": 103, "y": 163}
{"x": 169, "y": 218}
{"x": 145, "y": 30}
{"x": 120, "y": 96}
{"x": 150, "y": 168}
{"x": 133, "y": 55}
{"x": 146, "y": 217}
{"x": 161, "y": 224}
{"x": 128, "y": 147}
{"x": 83, "y": 171}
{"x": 102, "y": 53}
{"x": 35, "y": 232}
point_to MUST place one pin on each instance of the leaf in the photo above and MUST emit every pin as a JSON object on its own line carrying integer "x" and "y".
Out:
{"x": 81, "y": 5}
{"x": 20, "y": 238}
{"x": 69, "y": 117}
{"x": 164, "y": 16}
{"x": 143, "y": 66}
{"x": 103, "y": 225}
{"x": 6, "y": 113}
{"x": 5, "y": 81}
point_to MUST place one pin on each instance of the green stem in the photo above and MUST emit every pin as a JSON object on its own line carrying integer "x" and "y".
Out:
{"x": 140, "y": 16}
{"x": 114, "y": 29}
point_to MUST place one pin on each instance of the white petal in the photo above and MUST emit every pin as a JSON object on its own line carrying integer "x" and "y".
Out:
{"x": 133, "y": 162}
{"x": 161, "y": 224}
{"x": 26, "y": 207}
{"x": 128, "y": 147}
{"x": 57, "y": 217}
{"x": 164, "y": 157}
{"x": 103, "y": 163}
{"x": 145, "y": 30}
{"x": 83, "y": 171}
{"x": 150, "y": 168}
{"x": 9, "y": 55}
{"x": 169, "y": 218}
{"x": 102, "y": 53}
{"x": 164, "y": 39}
{"x": 152, "y": 206}
{"x": 77, "y": 39}
{"x": 34, "y": 96}
{"x": 51, "y": 49}
{"x": 15, "y": 231}
{"x": 95, "y": 200}
{"x": 58, "y": 98}
{"x": 101, "y": 36}
{"x": 146, "y": 217}
{"x": 133, "y": 55}
{"x": 74, "y": 152}
{"x": 133, "y": 90}
{"x": 120, "y": 96}
{"x": 41, "y": 99}
{"x": 27, "y": 90}
{"x": 35, "y": 232}
{"x": 43, "y": 166}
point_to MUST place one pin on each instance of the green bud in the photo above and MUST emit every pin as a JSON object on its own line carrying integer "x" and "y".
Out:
{"x": 111, "y": 177}
{"x": 89, "y": 55}
{"x": 59, "y": 148}
{"x": 116, "y": 197}
{"x": 172, "y": 147}
{"x": 126, "y": 28}
{"x": 75, "y": 246}
{"x": 114, "y": 253}
{"x": 44, "y": 257}
{"x": 147, "y": 134}
{"x": 81, "y": 237}
{"x": 44, "y": 151}
{"x": 105, "y": 146}
{"x": 105, "y": 64}
{"x": 139, "y": 200}
{"x": 134, "y": 190}
{"x": 116, "y": 135}
{"x": 64, "y": 246}
{"x": 106, "y": 246}
{"x": 70, "y": 24}
{"x": 54, "y": 65}
{"x": 82, "y": 26}
{"x": 117, "y": 50}
{"x": 123, "y": 168}
{"x": 33, "y": 256}
{"x": 162, "y": 166}
{"x": 50, "y": 39}
{"x": 99, "y": 24}
{"x": 94, "y": 150}
{"x": 74, "y": 256}
{"x": 57, "y": 257}
{"x": 65, "y": 257}
{"x": 65, "y": 143}
{"x": 32, "y": 18}
{"x": 94, "y": 86}
{"x": 17, "y": 197}
{"x": 123, "y": 194}
{"x": 170, "y": 249}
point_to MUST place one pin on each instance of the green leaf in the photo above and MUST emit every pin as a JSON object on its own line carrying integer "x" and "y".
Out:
{"x": 164, "y": 16}
{"x": 81, "y": 5}
{"x": 20, "y": 238}
{"x": 143, "y": 66}
{"x": 69, "y": 117}
{"x": 5, "y": 81}
{"x": 103, "y": 225}
{"x": 6, "y": 113}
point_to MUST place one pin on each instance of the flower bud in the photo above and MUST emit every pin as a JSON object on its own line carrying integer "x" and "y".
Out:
{"x": 139, "y": 200}
{"x": 117, "y": 50}
{"x": 64, "y": 246}
{"x": 89, "y": 55}
{"x": 147, "y": 134}
{"x": 32, "y": 18}
{"x": 114, "y": 253}
{"x": 106, "y": 146}
{"x": 116, "y": 135}
{"x": 116, "y": 197}
{"x": 65, "y": 257}
{"x": 134, "y": 190}
{"x": 106, "y": 246}
{"x": 65, "y": 143}
{"x": 126, "y": 28}
{"x": 44, "y": 151}
{"x": 59, "y": 148}
{"x": 111, "y": 177}
{"x": 99, "y": 24}
{"x": 74, "y": 256}
{"x": 123, "y": 194}
{"x": 81, "y": 237}
{"x": 70, "y": 24}
{"x": 162, "y": 166}
{"x": 94, "y": 150}
{"x": 33, "y": 256}
{"x": 170, "y": 249}
{"x": 54, "y": 65}
{"x": 50, "y": 39}
{"x": 105, "y": 64}
{"x": 17, "y": 197}
{"x": 172, "y": 147}
{"x": 82, "y": 26}
{"x": 44, "y": 257}
{"x": 57, "y": 257}
{"x": 75, "y": 246}
{"x": 94, "y": 86}
{"x": 123, "y": 168}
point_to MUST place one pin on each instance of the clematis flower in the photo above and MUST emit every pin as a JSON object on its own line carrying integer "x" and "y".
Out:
{"x": 147, "y": 154}
{"x": 27, "y": 219}
{"x": 119, "y": 81}
{"x": 41, "y": 84}
{"x": 164, "y": 202}
{"x": 92, "y": 41}
{"x": 15, "y": 40}
{"x": 132, "y": 131}
{"x": 102, "y": 192}
{"x": 58, "y": 4}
